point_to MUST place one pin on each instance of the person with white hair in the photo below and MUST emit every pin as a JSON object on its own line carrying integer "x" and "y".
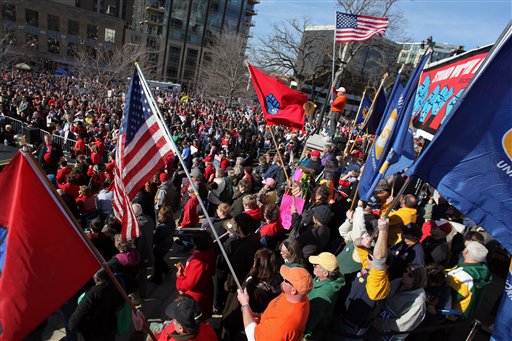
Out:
{"x": 469, "y": 279}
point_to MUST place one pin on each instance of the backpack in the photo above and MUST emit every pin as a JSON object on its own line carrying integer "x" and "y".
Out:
{"x": 226, "y": 195}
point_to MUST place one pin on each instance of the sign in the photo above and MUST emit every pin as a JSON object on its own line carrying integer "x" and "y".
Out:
{"x": 441, "y": 86}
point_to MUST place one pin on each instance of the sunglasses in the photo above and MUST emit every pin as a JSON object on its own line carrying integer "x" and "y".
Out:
{"x": 287, "y": 281}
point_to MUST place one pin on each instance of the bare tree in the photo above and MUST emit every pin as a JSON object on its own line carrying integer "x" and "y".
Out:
{"x": 292, "y": 51}
{"x": 107, "y": 64}
{"x": 223, "y": 72}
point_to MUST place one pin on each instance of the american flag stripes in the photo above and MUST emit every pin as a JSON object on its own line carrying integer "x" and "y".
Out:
{"x": 143, "y": 148}
{"x": 352, "y": 28}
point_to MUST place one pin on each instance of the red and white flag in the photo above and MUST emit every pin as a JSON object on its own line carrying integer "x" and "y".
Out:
{"x": 143, "y": 148}
{"x": 352, "y": 28}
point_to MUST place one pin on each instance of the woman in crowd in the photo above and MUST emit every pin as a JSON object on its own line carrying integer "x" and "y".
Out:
{"x": 196, "y": 277}
{"x": 262, "y": 284}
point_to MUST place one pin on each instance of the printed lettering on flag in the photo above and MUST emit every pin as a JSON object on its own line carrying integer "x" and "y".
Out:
{"x": 352, "y": 28}
{"x": 143, "y": 148}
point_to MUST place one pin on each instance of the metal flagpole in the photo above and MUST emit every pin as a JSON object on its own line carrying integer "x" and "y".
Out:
{"x": 187, "y": 173}
{"x": 72, "y": 220}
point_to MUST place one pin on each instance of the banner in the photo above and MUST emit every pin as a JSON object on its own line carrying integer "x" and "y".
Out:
{"x": 440, "y": 88}
{"x": 503, "y": 323}
{"x": 286, "y": 209}
{"x": 469, "y": 161}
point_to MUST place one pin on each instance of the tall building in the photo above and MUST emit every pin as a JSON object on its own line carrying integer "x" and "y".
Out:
{"x": 411, "y": 53}
{"x": 48, "y": 32}
{"x": 174, "y": 32}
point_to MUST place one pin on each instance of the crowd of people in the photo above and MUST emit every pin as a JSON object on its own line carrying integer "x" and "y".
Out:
{"x": 324, "y": 265}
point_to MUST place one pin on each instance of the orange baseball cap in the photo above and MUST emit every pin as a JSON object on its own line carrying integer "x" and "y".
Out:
{"x": 298, "y": 277}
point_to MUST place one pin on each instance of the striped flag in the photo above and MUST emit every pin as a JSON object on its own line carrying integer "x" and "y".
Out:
{"x": 351, "y": 27}
{"x": 143, "y": 148}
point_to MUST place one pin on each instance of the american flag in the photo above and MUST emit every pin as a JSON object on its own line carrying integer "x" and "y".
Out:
{"x": 351, "y": 27}
{"x": 143, "y": 147}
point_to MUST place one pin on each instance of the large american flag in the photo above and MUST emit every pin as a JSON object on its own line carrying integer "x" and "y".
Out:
{"x": 143, "y": 147}
{"x": 351, "y": 27}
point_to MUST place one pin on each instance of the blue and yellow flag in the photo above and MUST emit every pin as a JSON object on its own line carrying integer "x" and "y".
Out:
{"x": 372, "y": 122}
{"x": 503, "y": 323}
{"x": 469, "y": 161}
{"x": 366, "y": 104}
{"x": 382, "y": 154}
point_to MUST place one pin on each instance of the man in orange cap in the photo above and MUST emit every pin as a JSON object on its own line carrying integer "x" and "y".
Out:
{"x": 286, "y": 315}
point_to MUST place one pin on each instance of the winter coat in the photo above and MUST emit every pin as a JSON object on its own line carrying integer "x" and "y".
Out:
{"x": 197, "y": 279}
{"x": 322, "y": 301}
{"x": 403, "y": 311}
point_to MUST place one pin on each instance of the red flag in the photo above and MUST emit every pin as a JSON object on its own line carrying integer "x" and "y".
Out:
{"x": 281, "y": 105}
{"x": 43, "y": 258}
{"x": 143, "y": 148}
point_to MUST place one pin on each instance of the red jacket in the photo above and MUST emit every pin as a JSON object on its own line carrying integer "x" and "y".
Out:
{"x": 255, "y": 213}
{"x": 62, "y": 173}
{"x": 190, "y": 215}
{"x": 206, "y": 333}
{"x": 197, "y": 282}
{"x": 271, "y": 229}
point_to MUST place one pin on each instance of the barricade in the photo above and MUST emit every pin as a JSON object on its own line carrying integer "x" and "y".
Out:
{"x": 19, "y": 127}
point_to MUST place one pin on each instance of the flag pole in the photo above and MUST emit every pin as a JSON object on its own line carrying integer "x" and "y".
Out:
{"x": 187, "y": 173}
{"x": 279, "y": 153}
{"x": 370, "y": 111}
{"x": 360, "y": 106}
{"x": 44, "y": 180}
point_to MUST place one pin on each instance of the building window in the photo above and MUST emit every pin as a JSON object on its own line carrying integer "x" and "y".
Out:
{"x": 173, "y": 62}
{"x": 32, "y": 41}
{"x": 53, "y": 46}
{"x": 9, "y": 12}
{"x": 73, "y": 27}
{"x": 110, "y": 35}
{"x": 92, "y": 31}
{"x": 53, "y": 23}
{"x": 190, "y": 64}
{"x": 32, "y": 17}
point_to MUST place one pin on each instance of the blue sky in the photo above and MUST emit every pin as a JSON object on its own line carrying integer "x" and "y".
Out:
{"x": 469, "y": 23}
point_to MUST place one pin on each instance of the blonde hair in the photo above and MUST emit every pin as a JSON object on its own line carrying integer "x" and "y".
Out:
{"x": 250, "y": 201}
{"x": 122, "y": 245}
{"x": 224, "y": 208}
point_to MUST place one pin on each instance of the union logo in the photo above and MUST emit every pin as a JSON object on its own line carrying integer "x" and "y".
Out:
{"x": 507, "y": 143}
{"x": 381, "y": 142}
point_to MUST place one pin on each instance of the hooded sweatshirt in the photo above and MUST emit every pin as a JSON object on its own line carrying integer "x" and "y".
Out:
{"x": 467, "y": 282}
{"x": 322, "y": 301}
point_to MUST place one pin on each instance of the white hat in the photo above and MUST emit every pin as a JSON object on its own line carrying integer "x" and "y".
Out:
{"x": 342, "y": 89}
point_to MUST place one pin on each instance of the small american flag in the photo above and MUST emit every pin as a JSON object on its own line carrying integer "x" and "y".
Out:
{"x": 351, "y": 27}
{"x": 143, "y": 148}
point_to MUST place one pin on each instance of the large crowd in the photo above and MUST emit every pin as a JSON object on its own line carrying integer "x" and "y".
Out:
{"x": 314, "y": 262}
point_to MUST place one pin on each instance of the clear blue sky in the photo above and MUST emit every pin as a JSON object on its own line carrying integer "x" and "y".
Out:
{"x": 470, "y": 23}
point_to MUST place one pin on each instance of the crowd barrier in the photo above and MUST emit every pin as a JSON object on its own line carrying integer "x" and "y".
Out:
{"x": 35, "y": 135}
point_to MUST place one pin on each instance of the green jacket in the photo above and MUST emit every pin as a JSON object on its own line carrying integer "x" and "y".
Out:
{"x": 322, "y": 300}
{"x": 468, "y": 282}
